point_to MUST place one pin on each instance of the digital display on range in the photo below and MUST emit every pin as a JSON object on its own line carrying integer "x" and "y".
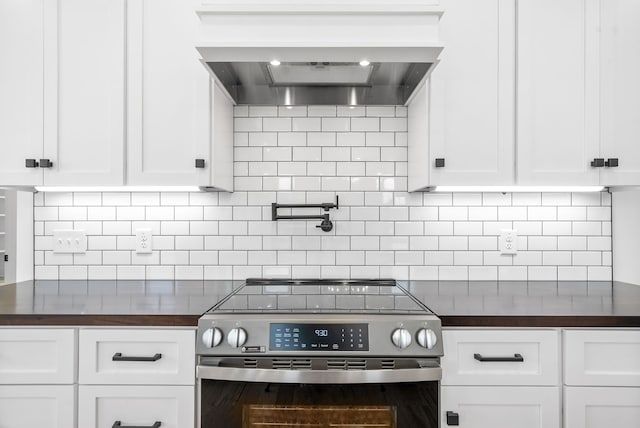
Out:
{"x": 318, "y": 337}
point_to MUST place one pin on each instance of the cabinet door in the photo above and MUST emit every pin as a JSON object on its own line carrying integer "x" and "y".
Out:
{"x": 140, "y": 406}
{"x": 601, "y": 407}
{"x": 38, "y": 406}
{"x": 21, "y": 98}
{"x": 84, "y": 92}
{"x": 168, "y": 95}
{"x": 620, "y": 90}
{"x": 557, "y": 120}
{"x": 472, "y": 94}
{"x": 502, "y": 407}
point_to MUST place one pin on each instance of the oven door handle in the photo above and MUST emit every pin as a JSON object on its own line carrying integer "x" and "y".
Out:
{"x": 234, "y": 374}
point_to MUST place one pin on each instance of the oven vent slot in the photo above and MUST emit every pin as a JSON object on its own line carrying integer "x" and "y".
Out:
{"x": 346, "y": 364}
{"x": 290, "y": 364}
{"x": 250, "y": 364}
{"x": 388, "y": 364}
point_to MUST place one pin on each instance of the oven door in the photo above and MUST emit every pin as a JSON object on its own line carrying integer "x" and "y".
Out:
{"x": 238, "y": 393}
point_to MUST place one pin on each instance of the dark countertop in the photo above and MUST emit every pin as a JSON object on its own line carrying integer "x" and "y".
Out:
{"x": 457, "y": 303}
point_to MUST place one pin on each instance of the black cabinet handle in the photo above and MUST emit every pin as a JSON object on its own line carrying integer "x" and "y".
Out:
{"x": 118, "y": 424}
{"x": 31, "y": 163}
{"x": 453, "y": 419}
{"x": 199, "y": 163}
{"x": 611, "y": 163}
{"x": 597, "y": 163}
{"x": 517, "y": 358}
{"x": 439, "y": 162}
{"x": 46, "y": 163}
{"x": 118, "y": 357}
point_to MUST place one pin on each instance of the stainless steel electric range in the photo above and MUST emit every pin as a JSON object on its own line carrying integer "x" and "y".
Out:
{"x": 319, "y": 353}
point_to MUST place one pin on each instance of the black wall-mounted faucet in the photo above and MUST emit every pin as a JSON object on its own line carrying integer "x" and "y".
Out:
{"x": 326, "y": 225}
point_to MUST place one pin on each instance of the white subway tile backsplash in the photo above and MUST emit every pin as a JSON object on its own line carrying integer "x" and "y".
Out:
{"x": 365, "y": 124}
{"x": 273, "y": 124}
{"x": 310, "y": 154}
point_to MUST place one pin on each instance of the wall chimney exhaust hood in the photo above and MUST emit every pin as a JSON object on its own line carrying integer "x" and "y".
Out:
{"x": 309, "y": 52}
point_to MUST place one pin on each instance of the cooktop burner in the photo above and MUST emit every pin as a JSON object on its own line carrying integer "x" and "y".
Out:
{"x": 281, "y": 296}
{"x": 277, "y": 317}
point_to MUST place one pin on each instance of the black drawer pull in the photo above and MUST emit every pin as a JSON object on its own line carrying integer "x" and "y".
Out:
{"x": 597, "y": 163}
{"x": 453, "y": 419}
{"x": 200, "y": 163}
{"x": 118, "y": 357}
{"x": 517, "y": 358}
{"x": 439, "y": 162}
{"x": 118, "y": 424}
{"x": 611, "y": 163}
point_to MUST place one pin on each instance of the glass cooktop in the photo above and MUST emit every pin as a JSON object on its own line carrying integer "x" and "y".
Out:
{"x": 320, "y": 296}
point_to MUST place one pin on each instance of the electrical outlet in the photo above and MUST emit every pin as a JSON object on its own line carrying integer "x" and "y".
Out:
{"x": 68, "y": 241}
{"x": 508, "y": 241}
{"x": 143, "y": 241}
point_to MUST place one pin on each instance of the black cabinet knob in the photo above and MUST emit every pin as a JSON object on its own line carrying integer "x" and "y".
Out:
{"x": 597, "y": 163}
{"x": 46, "y": 163}
{"x": 611, "y": 163}
{"x": 31, "y": 163}
{"x": 439, "y": 162}
{"x": 453, "y": 419}
{"x": 199, "y": 163}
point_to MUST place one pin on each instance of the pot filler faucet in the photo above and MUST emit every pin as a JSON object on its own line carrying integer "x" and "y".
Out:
{"x": 326, "y": 225}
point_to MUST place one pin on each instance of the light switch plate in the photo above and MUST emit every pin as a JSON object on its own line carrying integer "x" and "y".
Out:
{"x": 69, "y": 241}
{"x": 508, "y": 241}
{"x": 144, "y": 240}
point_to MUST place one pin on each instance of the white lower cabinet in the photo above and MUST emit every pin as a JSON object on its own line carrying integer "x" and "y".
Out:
{"x": 501, "y": 407}
{"x": 601, "y": 407}
{"x": 101, "y": 406}
{"x": 37, "y": 406}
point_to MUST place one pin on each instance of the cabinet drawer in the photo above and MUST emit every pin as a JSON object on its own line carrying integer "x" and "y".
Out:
{"x": 42, "y": 406}
{"x": 139, "y": 406}
{"x": 147, "y": 357}
{"x": 602, "y": 357}
{"x": 501, "y": 357}
{"x": 501, "y": 406}
{"x": 37, "y": 356}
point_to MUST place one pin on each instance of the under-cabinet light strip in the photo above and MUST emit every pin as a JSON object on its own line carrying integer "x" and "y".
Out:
{"x": 517, "y": 189}
{"x": 118, "y": 189}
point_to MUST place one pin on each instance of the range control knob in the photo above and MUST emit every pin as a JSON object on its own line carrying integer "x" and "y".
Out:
{"x": 212, "y": 337}
{"x": 427, "y": 338}
{"x": 237, "y": 337}
{"x": 401, "y": 338}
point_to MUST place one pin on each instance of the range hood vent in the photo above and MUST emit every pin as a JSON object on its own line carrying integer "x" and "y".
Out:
{"x": 306, "y": 52}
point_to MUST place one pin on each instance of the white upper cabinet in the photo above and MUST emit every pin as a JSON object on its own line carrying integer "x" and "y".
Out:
{"x": 556, "y": 93}
{"x": 84, "y": 92}
{"x": 620, "y": 90}
{"x": 472, "y": 95}
{"x": 62, "y": 92}
{"x": 168, "y": 95}
{"x": 21, "y": 100}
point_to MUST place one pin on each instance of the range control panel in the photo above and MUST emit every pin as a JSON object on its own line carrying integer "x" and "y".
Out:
{"x": 318, "y": 337}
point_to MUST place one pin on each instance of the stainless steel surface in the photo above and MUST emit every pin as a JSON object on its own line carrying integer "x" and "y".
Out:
{"x": 320, "y": 83}
{"x": 237, "y": 374}
{"x": 380, "y": 329}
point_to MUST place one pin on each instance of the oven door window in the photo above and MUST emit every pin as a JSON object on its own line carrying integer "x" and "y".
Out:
{"x": 273, "y": 415}
{"x": 248, "y": 404}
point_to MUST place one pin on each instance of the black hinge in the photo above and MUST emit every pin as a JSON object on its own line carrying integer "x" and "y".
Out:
{"x": 6, "y": 257}
{"x": 439, "y": 162}
{"x": 453, "y": 419}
